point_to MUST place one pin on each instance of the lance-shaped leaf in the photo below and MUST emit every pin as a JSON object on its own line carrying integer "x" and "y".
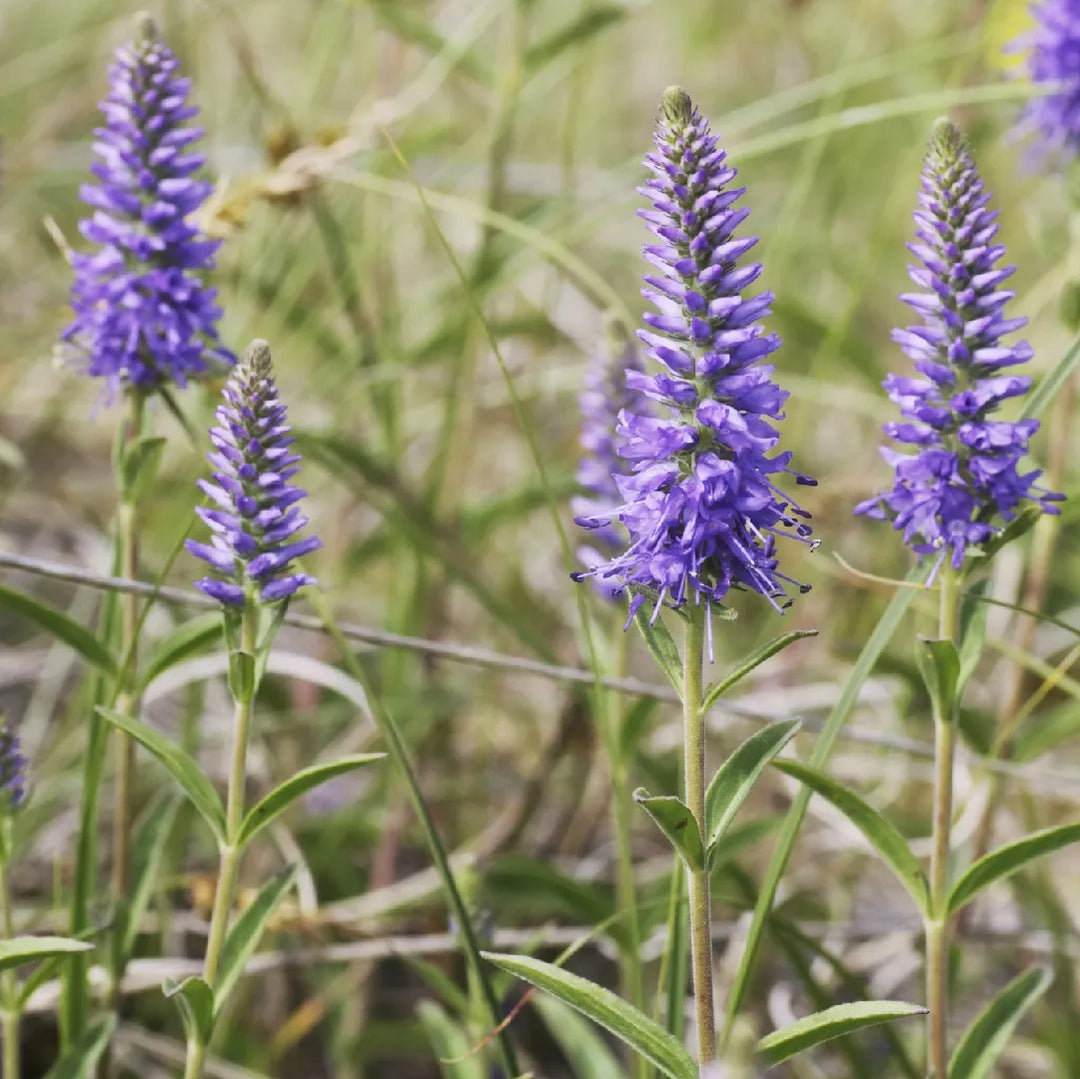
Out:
{"x": 676, "y": 821}
{"x": 82, "y": 1056}
{"x": 19, "y": 950}
{"x": 983, "y": 1041}
{"x": 183, "y": 769}
{"x": 755, "y": 659}
{"x": 662, "y": 645}
{"x": 736, "y": 777}
{"x": 451, "y": 1043}
{"x": 1006, "y": 860}
{"x": 57, "y": 624}
{"x": 880, "y": 832}
{"x": 194, "y": 1000}
{"x": 939, "y": 665}
{"x": 280, "y": 798}
{"x": 602, "y": 1006}
{"x": 186, "y": 640}
{"x": 828, "y": 1024}
{"x": 244, "y": 937}
{"x": 139, "y": 466}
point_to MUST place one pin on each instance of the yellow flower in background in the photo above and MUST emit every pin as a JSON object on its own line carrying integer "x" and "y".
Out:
{"x": 1006, "y": 21}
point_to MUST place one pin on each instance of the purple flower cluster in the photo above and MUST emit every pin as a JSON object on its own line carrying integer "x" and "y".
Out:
{"x": 256, "y": 516}
{"x": 700, "y": 505}
{"x": 12, "y": 771}
{"x": 605, "y": 395}
{"x": 143, "y": 316}
{"x": 1053, "y": 63}
{"x": 963, "y": 474}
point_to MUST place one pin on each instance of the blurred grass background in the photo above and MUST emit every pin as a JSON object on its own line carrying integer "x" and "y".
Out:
{"x": 525, "y": 122}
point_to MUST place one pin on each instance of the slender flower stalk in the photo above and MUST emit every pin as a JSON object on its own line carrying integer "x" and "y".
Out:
{"x": 253, "y": 523}
{"x": 1052, "y": 60}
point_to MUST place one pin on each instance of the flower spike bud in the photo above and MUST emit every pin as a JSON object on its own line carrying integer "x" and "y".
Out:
{"x": 255, "y": 514}
{"x": 961, "y": 479}
{"x": 699, "y": 500}
{"x": 143, "y": 316}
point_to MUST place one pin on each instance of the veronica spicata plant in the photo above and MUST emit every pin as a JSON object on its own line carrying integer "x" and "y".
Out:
{"x": 702, "y": 510}
{"x": 145, "y": 322}
{"x": 954, "y": 490}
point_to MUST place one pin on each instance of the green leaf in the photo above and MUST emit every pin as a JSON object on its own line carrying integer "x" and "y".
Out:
{"x": 450, "y": 1043}
{"x": 755, "y": 659}
{"x": 662, "y": 646}
{"x": 280, "y": 798}
{"x": 831, "y": 1023}
{"x": 602, "y": 1006}
{"x": 147, "y": 851}
{"x": 139, "y": 466}
{"x": 186, "y": 640}
{"x": 195, "y": 1001}
{"x": 676, "y": 821}
{"x": 1023, "y": 522}
{"x": 182, "y": 768}
{"x": 244, "y": 937}
{"x": 81, "y": 1059}
{"x": 1048, "y": 388}
{"x": 586, "y": 1052}
{"x": 939, "y": 665}
{"x": 19, "y": 950}
{"x": 737, "y": 775}
{"x": 1006, "y": 860}
{"x": 978, "y": 1050}
{"x": 59, "y": 625}
{"x": 881, "y": 833}
{"x": 242, "y": 677}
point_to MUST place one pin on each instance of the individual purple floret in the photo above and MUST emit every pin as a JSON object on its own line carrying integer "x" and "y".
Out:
{"x": 700, "y": 504}
{"x": 1052, "y": 50}
{"x": 962, "y": 477}
{"x": 605, "y": 395}
{"x": 143, "y": 316}
{"x": 12, "y": 771}
{"x": 255, "y": 516}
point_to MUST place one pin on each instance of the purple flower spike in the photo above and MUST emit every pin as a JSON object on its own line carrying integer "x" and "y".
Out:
{"x": 255, "y": 517}
{"x": 606, "y": 394}
{"x": 699, "y": 503}
{"x": 962, "y": 479}
{"x": 143, "y": 317}
{"x": 1053, "y": 62}
{"x": 12, "y": 771}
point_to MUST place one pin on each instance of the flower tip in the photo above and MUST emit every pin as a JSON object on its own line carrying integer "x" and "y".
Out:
{"x": 146, "y": 29}
{"x": 256, "y": 357}
{"x": 676, "y": 106}
{"x": 946, "y": 139}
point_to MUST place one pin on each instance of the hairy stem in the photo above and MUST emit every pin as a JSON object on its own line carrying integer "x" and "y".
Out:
{"x": 700, "y": 909}
{"x": 243, "y": 707}
{"x": 937, "y": 924}
{"x": 10, "y": 1012}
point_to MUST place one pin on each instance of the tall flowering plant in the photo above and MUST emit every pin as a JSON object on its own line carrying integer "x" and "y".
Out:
{"x": 697, "y": 487}
{"x": 145, "y": 322}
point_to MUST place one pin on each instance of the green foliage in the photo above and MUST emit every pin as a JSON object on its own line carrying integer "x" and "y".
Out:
{"x": 59, "y": 625}
{"x": 676, "y": 821}
{"x": 604, "y": 1007}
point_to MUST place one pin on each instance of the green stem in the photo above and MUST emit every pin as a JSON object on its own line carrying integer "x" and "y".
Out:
{"x": 10, "y": 1012}
{"x": 230, "y": 852}
{"x": 937, "y": 924}
{"x": 700, "y": 909}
